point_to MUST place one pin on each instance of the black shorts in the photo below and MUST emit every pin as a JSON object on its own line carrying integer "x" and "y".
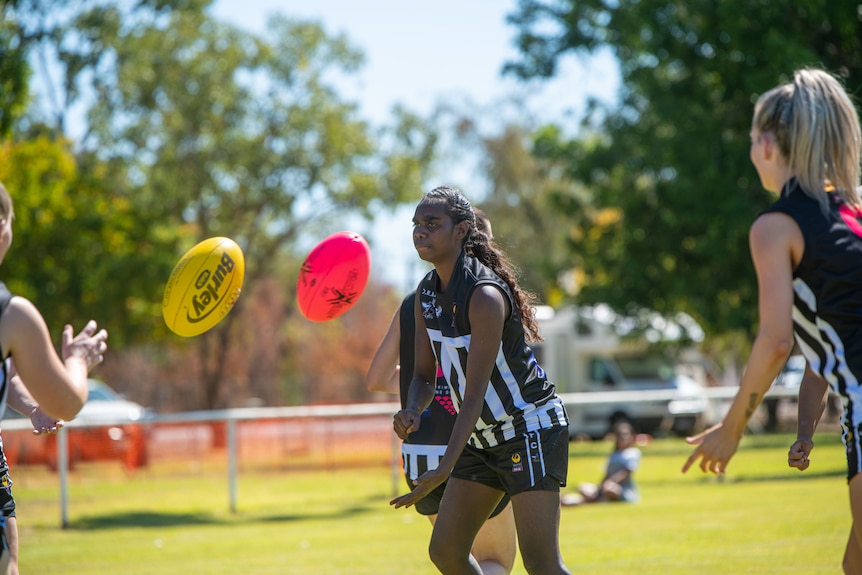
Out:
{"x": 535, "y": 461}
{"x": 7, "y": 502}
{"x": 430, "y": 504}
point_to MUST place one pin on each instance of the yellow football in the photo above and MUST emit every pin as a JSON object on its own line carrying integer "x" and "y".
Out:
{"x": 203, "y": 287}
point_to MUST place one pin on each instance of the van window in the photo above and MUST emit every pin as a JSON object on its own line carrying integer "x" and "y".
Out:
{"x": 645, "y": 367}
{"x": 599, "y": 371}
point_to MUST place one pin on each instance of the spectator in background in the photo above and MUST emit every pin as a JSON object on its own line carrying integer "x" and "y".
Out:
{"x": 618, "y": 484}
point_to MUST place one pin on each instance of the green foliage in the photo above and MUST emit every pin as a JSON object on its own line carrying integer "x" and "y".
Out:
{"x": 75, "y": 238}
{"x": 194, "y": 128}
{"x": 14, "y": 69}
{"x": 238, "y": 135}
{"x": 523, "y": 207}
{"x": 672, "y": 156}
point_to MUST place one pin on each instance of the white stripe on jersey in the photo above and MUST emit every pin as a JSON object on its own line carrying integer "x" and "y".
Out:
{"x": 451, "y": 360}
{"x": 832, "y": 350}
{"x": 411, "y": 453}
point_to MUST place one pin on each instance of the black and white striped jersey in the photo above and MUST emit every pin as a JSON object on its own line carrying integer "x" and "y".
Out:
{"x": 5, "y": 298}
{"x": 827, "y": 286}
{"x": 423, "y": 449}
{"x": 519, "y": 397}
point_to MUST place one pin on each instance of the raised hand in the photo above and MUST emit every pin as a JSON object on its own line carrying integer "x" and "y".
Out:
{"x": 90, "y": 344}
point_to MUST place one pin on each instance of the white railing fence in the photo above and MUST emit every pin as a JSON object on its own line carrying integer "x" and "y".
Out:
{"x": 230, "y": 417}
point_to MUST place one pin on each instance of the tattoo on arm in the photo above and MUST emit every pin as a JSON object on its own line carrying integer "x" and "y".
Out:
{"x": 753, "y": 400}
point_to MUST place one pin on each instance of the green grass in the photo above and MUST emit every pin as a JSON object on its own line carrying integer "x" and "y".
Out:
{"x": 762, "y": 518}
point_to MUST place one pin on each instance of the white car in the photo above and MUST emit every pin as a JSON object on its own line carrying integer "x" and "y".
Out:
{"x": 108, "y": 427}
{"x": 105, "y": 404}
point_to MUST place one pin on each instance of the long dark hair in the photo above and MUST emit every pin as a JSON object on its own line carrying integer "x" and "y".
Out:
{"x": 479, "y": 245}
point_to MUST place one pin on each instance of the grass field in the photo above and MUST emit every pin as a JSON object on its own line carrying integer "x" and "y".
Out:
{"x": 762, "y": 518}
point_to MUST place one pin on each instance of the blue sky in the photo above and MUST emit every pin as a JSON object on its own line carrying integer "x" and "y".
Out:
{"x": 420, "y": 53}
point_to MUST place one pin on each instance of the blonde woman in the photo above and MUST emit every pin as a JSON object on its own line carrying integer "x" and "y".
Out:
{"x": 807, "y": 251}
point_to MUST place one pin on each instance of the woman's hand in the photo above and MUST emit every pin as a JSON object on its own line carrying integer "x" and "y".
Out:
{"x": 406, "y": 422}
{"x": 715, "y": 447}
{"x": 425, "y": 484}
{"x": 89, "y": 345}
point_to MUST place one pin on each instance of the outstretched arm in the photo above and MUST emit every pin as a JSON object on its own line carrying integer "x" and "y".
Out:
{"x": 771, "y": 239}
{"x": 59, "y": 385}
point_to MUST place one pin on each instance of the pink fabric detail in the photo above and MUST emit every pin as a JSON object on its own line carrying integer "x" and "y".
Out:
{"x": 851, "y": 217}
{"x": 446, "y": 402}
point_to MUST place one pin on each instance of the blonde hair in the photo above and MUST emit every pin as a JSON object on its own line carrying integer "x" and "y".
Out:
{"x": 816, "y": 128}
{"x": 6, "y": 210}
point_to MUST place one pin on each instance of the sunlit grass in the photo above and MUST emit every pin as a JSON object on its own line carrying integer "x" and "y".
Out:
{"x": 761, "y": 518}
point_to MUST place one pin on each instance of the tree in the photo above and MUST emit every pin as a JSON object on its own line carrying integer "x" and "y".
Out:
{"x": 83, "y": 236}
{"x": 219, "y": 132}
{"x": 525, "y": 193}
{"x": 14, "y": 70}
{"x": 192, "y": 129}
{"x": 672, "y": 190}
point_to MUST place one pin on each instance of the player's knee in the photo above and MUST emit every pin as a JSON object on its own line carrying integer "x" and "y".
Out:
{"x": 544, "y": 565}
{"x": 440, "y": 555}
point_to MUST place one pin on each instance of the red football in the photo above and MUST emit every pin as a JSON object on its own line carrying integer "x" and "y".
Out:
{"x": 333, "y": 276}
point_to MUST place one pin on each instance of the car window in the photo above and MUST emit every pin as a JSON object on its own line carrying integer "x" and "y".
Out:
{"x": 100, "y": 394}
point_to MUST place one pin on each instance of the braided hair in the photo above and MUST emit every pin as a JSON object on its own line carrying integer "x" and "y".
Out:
{"x": 478, "y": 243}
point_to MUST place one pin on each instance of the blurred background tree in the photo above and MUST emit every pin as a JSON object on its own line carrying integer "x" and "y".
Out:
{"x": 671, "y": 192}
{"x": 187, "y": 127}
{"x": 195, "y": 129}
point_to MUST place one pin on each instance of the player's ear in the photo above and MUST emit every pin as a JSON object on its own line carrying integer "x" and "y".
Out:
{"x": 768, "y": 145}
{"x": 462, "y": 229}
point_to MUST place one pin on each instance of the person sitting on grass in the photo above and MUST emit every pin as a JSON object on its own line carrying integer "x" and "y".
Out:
{"x": 618, "y": 483}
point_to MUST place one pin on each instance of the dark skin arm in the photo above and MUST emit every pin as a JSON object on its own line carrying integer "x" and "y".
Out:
{"x": 423, "y": 385}
{"x": 488, "y": 311}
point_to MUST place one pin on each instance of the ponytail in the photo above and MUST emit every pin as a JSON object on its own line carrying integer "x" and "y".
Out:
{"x": 479, "y": 244}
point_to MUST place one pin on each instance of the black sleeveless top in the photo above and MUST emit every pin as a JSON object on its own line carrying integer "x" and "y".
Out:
{"x": 519, "y": 397}
{"x": 5, "y": 298}
{"x": 439, "y": 418}
{"x": 827, "y": 286}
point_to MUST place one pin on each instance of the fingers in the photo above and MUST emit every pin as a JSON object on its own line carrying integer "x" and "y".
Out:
{"x": 91, "y": 344}
{"x": 68, "y": 335}
{"x": 403, "y": 501}
{"x": 48, "y": 430}
{"x": 708, "y": 464}
{"x": 405, "y": 422}
{"x": 801, "y": 464}
{"x": 90, "y": 328}
{"x": 690, "y": 461}
{"x": 799, "y": 456}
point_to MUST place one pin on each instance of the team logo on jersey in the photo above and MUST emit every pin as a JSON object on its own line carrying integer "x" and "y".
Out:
{"x": 6, "y": 482}
{"x": 430, "y": 309}
{"x": 516, "y": 462}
